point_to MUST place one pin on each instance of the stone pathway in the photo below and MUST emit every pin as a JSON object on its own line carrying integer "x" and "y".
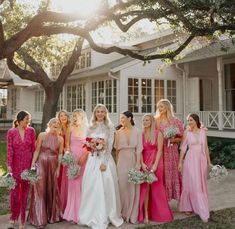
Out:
{"x": 221, "y": 195}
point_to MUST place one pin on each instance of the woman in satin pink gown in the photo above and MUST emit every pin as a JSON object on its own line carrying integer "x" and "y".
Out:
{"x": 64, "y": 119}
{"x": 45, "y": 199}
{"x": 20, "y": 148}
{"x": 172, "y": 178}
{"x": 194, "y": 197}
{"x": 77, "y": 136}
{"x": 153, "y": 203}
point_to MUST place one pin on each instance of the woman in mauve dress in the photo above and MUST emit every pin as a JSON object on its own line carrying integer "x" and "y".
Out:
{"x": 165, "y": 119}
{"x": 128, "y": 144}
{"x": 194, "y": 197}
{"x": 20, "y": 148}
{"x": 77, "y": 135}
{"x": 153, "y": 203}
{"x": 45, "y": 199}
{"x": 64, "y": 120}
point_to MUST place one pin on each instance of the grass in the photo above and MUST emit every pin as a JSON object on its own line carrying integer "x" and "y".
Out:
{"x": 4, "y": 205}
{"x": 221, "y": 219}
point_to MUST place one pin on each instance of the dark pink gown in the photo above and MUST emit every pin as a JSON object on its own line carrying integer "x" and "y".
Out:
{"x": 45, "y": 199}
{"x": 19, "y": 158}
{"x": 159, "y": 210}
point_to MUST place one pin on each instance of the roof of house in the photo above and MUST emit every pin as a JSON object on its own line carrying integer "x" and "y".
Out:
{"x": 215, "y": 49}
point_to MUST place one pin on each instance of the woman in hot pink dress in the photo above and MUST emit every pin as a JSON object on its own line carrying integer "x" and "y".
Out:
{"x": 45, "y": 199}
{"x": 63, "y": 117}
{"x": 172, "y": 178}
{"x": 194, "y": 197}
{"x": 77, "y": 134}
{"x": 20, "y": 148}
{"x": 153, "y": 203}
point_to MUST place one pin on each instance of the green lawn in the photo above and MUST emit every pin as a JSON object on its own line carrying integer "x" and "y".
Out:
{"x": 222, "y": 219}
{"x": 4, "y": 206}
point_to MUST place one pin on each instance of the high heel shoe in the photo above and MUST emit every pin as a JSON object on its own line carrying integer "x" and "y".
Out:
{"x": 11, "y": 224}
{"x": 146, "y": 220}
{"x": 22, "y": 226}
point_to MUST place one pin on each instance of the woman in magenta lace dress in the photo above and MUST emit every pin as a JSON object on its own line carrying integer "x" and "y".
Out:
{"x": 20, "y": 148}
{"x": 153, "y": 203}
{"x": 45, "y": 199}
{"x": 64, "y": 120}
{"x": 165, "y": 119}
{"x": 194, "y": 197}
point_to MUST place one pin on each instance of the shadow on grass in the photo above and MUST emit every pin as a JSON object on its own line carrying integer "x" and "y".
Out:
{"x": 221, "y": 219}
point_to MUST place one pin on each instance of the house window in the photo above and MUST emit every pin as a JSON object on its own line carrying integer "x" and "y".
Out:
{"x": 75, "y": 97}
{"x": 39, "y": 101}
{"x": 13, "y": 100}
{"x": 84, "y": 60}
{"x": 60, "y": 102}
{"x": 105, "y": 92}
{"x": 143, "y": 98}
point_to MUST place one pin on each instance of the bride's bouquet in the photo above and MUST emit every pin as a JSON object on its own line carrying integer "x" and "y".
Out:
{"x": 217, "y": 173}
{"x": 150, "y": 177}
{"x": 30, "y": 175}
{"x": 7, "y": 181}
{"x": 170, "y": 132}
{"x": 135, "y": 176}
{"x": 94, "y": 145}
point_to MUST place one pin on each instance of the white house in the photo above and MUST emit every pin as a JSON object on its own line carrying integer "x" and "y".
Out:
{"x": 197, "y": 83}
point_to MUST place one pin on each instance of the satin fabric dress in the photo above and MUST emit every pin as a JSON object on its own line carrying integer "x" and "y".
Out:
{"x": 194, "y": 197}
{"x": 19, "y": 157}
{"x": 158, "y": 209}
{"x": 129, "y": 192}
{"x": 172, "y": 177}
{"x": 45, "y": 199}
{"x": 100, "y": 201}
{"x": 71, "y": 212}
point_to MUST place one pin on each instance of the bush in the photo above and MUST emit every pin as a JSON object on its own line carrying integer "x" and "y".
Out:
{"x": 222, "y": 152}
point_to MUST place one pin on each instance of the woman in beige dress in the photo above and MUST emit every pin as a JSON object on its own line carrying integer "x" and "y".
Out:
{"x": 128, "y": 144}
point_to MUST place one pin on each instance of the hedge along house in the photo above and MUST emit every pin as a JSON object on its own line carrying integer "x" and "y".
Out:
{"x": 123, "y": 83}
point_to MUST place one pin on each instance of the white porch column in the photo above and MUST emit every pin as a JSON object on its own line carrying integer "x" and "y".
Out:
{"x": 220, "y": 91}
{"x": 185, "y": 88}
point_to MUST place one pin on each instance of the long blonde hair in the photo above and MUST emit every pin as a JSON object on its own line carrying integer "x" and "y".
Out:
{"x": 107, "y": 121}
{"x": 84, "y": 121}
{"x": 169, "y": 109}
{"x": 52, "y": 120}
{"x": 152, "y": 128}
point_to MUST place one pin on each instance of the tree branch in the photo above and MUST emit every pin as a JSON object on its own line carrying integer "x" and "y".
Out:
{"x": 1, "y": 36}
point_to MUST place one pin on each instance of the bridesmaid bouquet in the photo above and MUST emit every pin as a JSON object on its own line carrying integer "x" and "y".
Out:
{"x": 218, "y": 172}
{"x": 150, "y": 177}
{"x": 73, "y": 171}
{"x": 30, "y": 175}
{"x": 135, "y": 176}
{"x": 170, "y": 132}
{"x": 94, "y": 145}
{"x": 7, "y": 181}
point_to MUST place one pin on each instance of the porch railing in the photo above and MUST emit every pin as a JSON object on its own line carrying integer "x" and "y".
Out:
{"x": 217, "y": 119}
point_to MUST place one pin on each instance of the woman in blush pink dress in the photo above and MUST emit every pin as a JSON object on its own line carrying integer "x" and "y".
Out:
{"x": 153, "y": 202}
{"x": 128, "y": 144}
{"x": 64, "y": 120}
{"x": 194, "y": 197}
{"x": 77, "y": 134}
{"x": 20, "y": 148}
{"x": 172, "y": 178}
{"x": 45, "y": 199}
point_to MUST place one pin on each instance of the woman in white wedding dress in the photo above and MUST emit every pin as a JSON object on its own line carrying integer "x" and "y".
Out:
{"x": 100, "y": 201}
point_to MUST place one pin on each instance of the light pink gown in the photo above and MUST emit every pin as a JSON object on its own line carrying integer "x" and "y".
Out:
{"x": 194, "y": 197}
{"x": 158, "y": 210}
{"x": 71, "y": 212}
{"x": 129, "y": 192}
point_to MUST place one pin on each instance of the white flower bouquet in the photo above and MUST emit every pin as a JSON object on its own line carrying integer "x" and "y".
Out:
{"x": 135, "y": 176}
{"x": 217, "y": 173}
{"x": 30, "y": 175}
{"x": 67, "y": 159}
{"x": 150, "y": 177}
{"x": 170, "y": 132}
{"x": 7, "y": 181}
{"x": 73, "y": 171}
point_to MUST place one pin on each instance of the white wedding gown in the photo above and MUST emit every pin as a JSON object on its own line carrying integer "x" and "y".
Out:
{"x": 100, "y": 201}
